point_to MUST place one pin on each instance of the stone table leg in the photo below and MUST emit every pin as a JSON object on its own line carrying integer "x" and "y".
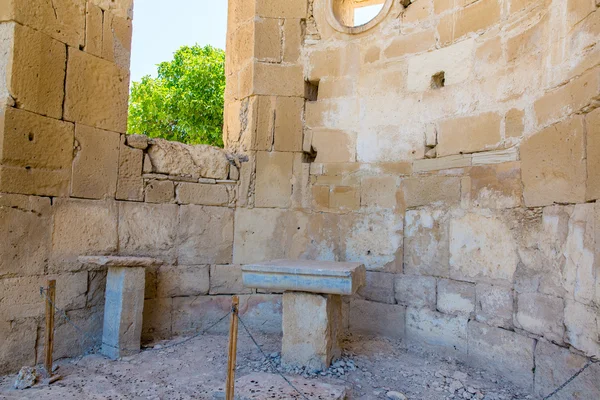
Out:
{"x": 123, "y": 311}
{"x": 311, "y": 327}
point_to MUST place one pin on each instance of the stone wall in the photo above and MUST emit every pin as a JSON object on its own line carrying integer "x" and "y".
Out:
{"x": 72, "y": 184}
{"x": 452, "y": 148}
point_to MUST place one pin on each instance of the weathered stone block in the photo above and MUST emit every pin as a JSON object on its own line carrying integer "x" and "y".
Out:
{"x": 379, "y": 287}
{"x": 378, "y": 191}
{"x": 268, "y": 39}
{"x": 541, "y": 314}
{"x": 479, "y": 16}
{"x": 592, "y": 121}
{"x": 293, "y": 34}
{"x": 514, "y": 123}
{"x": 568, "y": 98}
{"x": 371, "y": 318}
{"x": 181, "y": 280}
{"x": 262, "y": 313}
{"x": 36, "y": 153}
{"x": 198, "y": 161}
{"x": 272, "y": 79}
{"x": 96, "y": 92}
{"x": 123, "y": 312}
{"x": 64, "y": 20}
{"x": 431, "y": 190}
{"x": 116, "y": 40}
{"x": 35, "y": 80}
{"x": 81, "y": 228}
{"x": 130, "y": 185}
{"x": 496, "y": 186}
{"x": 415, "y": 291}
{"x": 25, "y": 228}
{"x": 469, "y": 134}
{"x": 278, "y": 9}
{"x": 449, "y": 162}
{"x": 482, "y": 248}
{"x": 410, "y": 44}
{"x": 553, "y": 164}
{"x": 582, "y": 327}
{"x": 122, "y": 8}
{"x": 197, "y": 193}
{"x": 159, "y": 191}
{"x": 22, "y": 296}
{"x": 273, "y": 179}
{"x": 227, "y": 279}
{"x": 344, "y": 198}
{"x": 17, "y": 347}
{"x": 148, "y": 230}
{"x": 93, "y": 29}
{"x": 447, "y": 334}
{"x": 494, "y": 305}
{"x": 156, "y": 321}
{"x": 455, "y": 297}
{"x": 426, "y": 243}
{"x": 288, "y": 124}
{"x": 503, "y": 352}
{"x": 66, "y": 344}
{"x": 333, "y": 146}
{"x": 455, "y": 61}
{"x": 205, "y": 235}
{"x": 311, "y": 329}
{"x": 554, "y": 365}
{"x": 96, "y": 163}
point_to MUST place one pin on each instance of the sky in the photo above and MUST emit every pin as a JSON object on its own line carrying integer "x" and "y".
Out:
{"x": 160, "y": 27}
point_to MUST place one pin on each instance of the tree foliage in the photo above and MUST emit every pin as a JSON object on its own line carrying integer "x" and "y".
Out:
{"x": 185, "y": 101}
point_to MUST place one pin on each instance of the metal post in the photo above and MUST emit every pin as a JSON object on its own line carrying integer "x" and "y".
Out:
{"x": 233, "y": 333}
{"x": 49, "y": 337}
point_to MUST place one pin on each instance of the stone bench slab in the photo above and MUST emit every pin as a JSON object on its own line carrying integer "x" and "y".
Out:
{"x": 325, "y": 277}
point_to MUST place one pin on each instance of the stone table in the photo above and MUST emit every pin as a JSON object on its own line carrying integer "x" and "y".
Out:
{"x": 312, "y": 304}
{"x": 124, "y": 303}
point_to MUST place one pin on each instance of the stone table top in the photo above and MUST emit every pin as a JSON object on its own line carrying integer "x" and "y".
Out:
{"x": 120, "y": 261}
{"x": 328, "y": 277}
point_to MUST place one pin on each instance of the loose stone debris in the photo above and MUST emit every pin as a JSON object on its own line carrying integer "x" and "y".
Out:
{"x": 370, "y": 368}
{"x": 26, "y": 378}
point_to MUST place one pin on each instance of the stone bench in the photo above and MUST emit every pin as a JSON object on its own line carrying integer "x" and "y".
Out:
{"x": 124, "y": 304}
{"x": 312, "y": 304}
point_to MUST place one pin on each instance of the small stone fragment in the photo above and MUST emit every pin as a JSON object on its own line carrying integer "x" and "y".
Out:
{"x": 395, "y": 396}
{"x": 137, "y": 141}
{"x": 27, "y": 378}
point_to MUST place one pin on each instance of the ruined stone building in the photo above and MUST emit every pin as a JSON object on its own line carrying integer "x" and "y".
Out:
{"x": 452, "y": 146}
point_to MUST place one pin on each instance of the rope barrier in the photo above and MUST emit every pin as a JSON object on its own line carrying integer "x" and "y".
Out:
{"x": 590, "y": 362}
{"x": 270, "y": 362}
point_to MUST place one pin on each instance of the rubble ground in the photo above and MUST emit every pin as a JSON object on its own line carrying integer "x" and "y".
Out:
{"x": 371, "y": 368}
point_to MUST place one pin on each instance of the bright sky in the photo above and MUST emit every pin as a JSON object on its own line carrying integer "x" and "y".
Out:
{"x": 162, "y": 26}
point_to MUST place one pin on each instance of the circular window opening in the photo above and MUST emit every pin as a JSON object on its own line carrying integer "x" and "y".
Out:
{"x": 355, "y": 16}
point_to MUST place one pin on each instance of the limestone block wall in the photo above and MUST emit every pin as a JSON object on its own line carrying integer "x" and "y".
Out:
{"x": 452, "y": 148}
{"x": 72, "y": 184}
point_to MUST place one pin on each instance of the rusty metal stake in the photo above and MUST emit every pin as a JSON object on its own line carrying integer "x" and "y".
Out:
{"x": 49, "y": 336}
{"x": 233, "y": 333}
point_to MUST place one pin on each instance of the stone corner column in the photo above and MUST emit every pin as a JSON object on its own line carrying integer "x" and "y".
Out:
{"x": 123, "y": 311}
{"x": 311, "y": 328}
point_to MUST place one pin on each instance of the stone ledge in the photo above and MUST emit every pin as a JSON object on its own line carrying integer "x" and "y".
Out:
{"x": 118, "y": 261}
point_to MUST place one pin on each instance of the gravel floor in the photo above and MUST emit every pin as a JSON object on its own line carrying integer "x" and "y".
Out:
{"x": 370, "y": 368}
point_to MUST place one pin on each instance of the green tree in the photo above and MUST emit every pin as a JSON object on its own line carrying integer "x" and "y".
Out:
{"x": 185, "y": 101}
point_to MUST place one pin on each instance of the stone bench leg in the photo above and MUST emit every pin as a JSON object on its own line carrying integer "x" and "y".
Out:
{"x": 311, "y": 327}
{"x": 123, "y": 311}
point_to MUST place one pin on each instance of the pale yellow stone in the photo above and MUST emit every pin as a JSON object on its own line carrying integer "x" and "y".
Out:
{"x": 344, "y": 198}
{"x": 159, "y": 191}
{"x": 473, "y": 18}
{"x": 268, "y": 39}
{"x": 35, "y": 80}
{"x": 429, "y": 190}
{"x": 96, "y": 92}
{"x": 414, "y": 43}
{"x": 333, "y": 146}
{"x": 469, "y": 134}
{"x": 96, "y": 163}
{"x": 592, "y": 123}
{"x": 378, "y": 191}
{"x": 198, "y": 193}
{"x": 514, "y": 123}
{"x": 553, "y": 164}
{"x": 288, "y": 123}
{"x": 93, "y": 29}
{"x": 273, "y": 179}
